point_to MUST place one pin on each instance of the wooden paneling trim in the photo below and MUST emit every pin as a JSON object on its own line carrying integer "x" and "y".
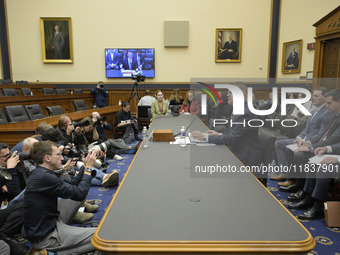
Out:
{"x": 13, "y": 133}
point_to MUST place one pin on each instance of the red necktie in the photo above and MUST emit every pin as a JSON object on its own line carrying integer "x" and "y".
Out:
{"x": 329, "y": 127}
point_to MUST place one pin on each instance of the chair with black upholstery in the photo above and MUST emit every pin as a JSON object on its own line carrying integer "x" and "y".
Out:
{"x": 144, "y": 116}
{"x": 48, "y": 91}
{"x": 16, "y": 113}
{"x": 26, "y": 92}
{"x": 54, "y": 110}
{"x": 6, "y": 81}
{"x": 0, "y": 94}
{"x": 78, "y": 91}
{"x": 61, "y": 92}
{"x": 21, "y": 82}
{"x": 10, "y": 92}
{"x": 80, "y": 105}
{"x": 34, "y": 111}
{"x": 3, "y": 119}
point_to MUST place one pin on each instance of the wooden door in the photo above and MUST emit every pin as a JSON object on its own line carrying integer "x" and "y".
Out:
{"x": 331, "y": 64}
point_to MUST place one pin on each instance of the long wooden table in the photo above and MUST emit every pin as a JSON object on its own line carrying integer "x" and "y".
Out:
{"x": 13, "y": 133}
{"x": 163, "y": 206}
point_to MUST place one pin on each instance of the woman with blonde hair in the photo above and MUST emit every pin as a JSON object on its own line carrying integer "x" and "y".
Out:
{"x": 176, "y": 98}
{"x": 159, "y": 106}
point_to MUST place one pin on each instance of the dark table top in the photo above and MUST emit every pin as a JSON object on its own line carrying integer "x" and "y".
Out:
{"x": 163, "y": 199}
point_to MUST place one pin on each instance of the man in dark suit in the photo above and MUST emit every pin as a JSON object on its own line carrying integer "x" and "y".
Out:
{"x": 330, "y": 137}
{"x": 314, "y": 129}
{"x": 242, "y": 140}
{"x": 292, "y": 61}
{"x": 130, "y": 63}
{"x": 112, "y": 60}
{"x": 317, "y": 185}
{"x": 230, "y": 49}
{"x": 58, "y": 43}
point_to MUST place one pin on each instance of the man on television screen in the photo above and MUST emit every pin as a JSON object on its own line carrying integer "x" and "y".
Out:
{"x": 112, "y": 60}
{"x": 130, "y": 63}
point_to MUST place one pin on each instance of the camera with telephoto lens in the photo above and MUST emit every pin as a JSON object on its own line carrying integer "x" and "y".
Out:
{"x": 138, "y": 78}
{"x": 81, "y": 124}
{"x": 99, "y": 119}
{"x": 22, "y": 155}
{"x": 73, "y": 152}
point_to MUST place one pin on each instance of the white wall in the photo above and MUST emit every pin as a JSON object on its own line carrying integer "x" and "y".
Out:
{"x": 139, "y": 23}
{"x": 297, "y": 19}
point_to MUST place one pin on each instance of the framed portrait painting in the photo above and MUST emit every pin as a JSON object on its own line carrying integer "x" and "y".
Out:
{"x": 56, "y": 40}
{"x": 291, "y": 57}
{"x": 228, "y": 45}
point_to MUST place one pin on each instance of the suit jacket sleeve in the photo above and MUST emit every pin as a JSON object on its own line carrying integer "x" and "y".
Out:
{"x": 154, "y": 110}
{"x": 233, "y": 134}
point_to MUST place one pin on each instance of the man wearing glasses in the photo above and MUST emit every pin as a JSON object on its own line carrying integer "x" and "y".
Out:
{"x": 45, "y": 223}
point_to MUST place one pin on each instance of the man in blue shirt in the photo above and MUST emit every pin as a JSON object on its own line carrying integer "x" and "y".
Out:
{"x": 100, "y": 95}
{"x": 45, "y": 223}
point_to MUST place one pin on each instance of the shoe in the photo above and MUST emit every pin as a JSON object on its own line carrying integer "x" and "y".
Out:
{"x": 39, "y": 252}
{"x": 90, "y": 208}
{"x": 82, "y": 217}
{"x": 311, "y": 214}
{"x": 117, "y": 157}
{"x": 286, "y": 183}
{"x": 111, "y": 179}
{"x": 279, "y": 177}
{"x": 291, "y": 188}
{"x": 297, "y": 196}
{"x": 16, "y": 248}
{"x": 300, "y": 205}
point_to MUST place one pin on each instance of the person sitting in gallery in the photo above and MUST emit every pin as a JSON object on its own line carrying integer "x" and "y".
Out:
{"x": 160, "y": 106}
{"x": 190, "y": 105}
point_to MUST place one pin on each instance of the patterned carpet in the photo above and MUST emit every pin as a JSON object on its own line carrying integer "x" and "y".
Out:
{"x": 327, "y": 239}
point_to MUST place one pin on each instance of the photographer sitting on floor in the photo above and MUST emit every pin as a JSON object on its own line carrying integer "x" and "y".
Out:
{"x": 101, "y": 125}
{"x": 45, "y": 224}
{"x": 124, "y": 123}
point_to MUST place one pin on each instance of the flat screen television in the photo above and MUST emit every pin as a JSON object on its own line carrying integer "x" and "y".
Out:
{"x": 125, "y": 63}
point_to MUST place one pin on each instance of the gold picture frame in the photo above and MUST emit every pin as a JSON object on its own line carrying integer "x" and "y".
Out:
{"x": 291, "y": 57}
{"x": 56, "y": 46}
{"x": 228, "y": 45}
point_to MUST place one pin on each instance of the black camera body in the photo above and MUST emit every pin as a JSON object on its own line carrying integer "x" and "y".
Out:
{"x": 99, "y": 119}
{"x": 101, "y": 86}
{"x": 81, "y": 124}
{"x": 138, "y": 78}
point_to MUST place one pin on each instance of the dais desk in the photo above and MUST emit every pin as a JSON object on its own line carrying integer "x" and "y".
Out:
{"x": 163, "y": 207}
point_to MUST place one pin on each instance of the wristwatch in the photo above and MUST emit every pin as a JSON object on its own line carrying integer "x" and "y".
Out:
{"x": 89, "y": 170}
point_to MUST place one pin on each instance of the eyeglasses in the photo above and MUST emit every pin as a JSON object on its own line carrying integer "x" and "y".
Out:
{"x": 5, "y": 156}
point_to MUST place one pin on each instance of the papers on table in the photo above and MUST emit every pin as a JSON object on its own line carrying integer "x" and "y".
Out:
{"x": 193, "y": 140}
{"x": 317, "y": 159}
{"x": 292, "y": 147}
